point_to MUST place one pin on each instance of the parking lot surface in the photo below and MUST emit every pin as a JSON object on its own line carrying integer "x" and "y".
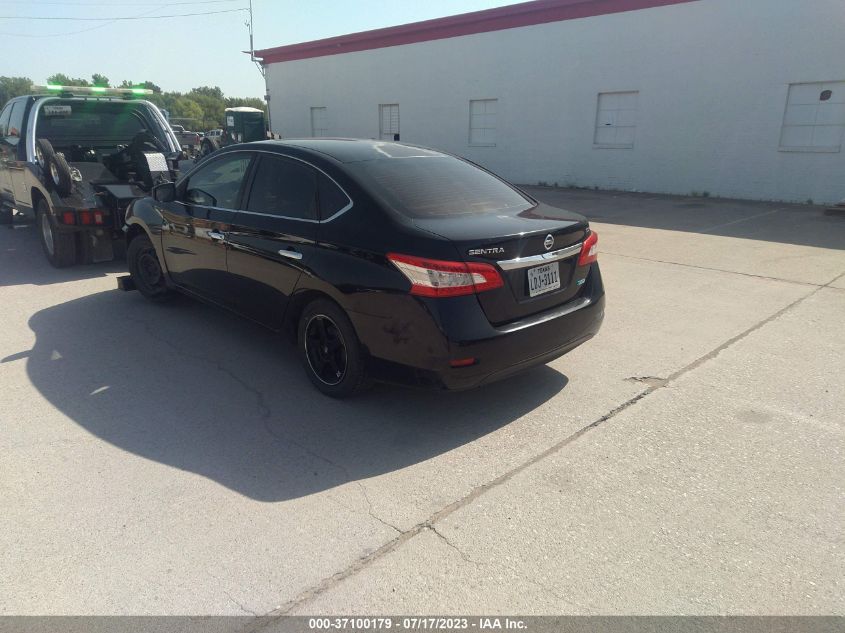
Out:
{"x": 688, "y": 460}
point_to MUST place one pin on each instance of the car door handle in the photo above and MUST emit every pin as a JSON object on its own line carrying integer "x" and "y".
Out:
{"x": 290, "y": 253}
{"x": 216, "y": 236}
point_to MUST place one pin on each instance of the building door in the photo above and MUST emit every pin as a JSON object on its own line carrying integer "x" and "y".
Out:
{"x": 389, "y": 121}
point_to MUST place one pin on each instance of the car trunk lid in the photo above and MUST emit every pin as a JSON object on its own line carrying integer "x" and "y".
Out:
{"x": 536, "y": 252}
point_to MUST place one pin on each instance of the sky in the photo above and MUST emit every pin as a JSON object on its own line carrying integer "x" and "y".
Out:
{"x": 179, "y": 53}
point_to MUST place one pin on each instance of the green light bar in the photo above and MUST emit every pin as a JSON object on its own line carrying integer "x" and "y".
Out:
{"x": 53, "y": 87}
{"x": 98, "y": 89}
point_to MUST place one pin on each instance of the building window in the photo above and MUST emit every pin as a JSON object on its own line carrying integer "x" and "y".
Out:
{"x": 482, "y": 122}
{"x": 388, "y": 114}
{"x": 319, "y": 121}
{"x": 616, "y": 120}
{"x": 814, "y": 120}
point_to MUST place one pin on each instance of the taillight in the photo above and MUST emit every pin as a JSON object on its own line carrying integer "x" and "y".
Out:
{"x": 589, "y": 250}
{"x": 85, "y": 217}
{"x": 437, "y": 278}
{"x": 68, "y": 217}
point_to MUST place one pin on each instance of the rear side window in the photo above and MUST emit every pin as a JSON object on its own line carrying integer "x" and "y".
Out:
{"x": 437, "y": 186}
{"x": 284, "y": 187}
{"x": 332, "y": 198}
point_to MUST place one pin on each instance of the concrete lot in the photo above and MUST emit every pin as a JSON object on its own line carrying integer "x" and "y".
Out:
{"x": 689, "y": 460}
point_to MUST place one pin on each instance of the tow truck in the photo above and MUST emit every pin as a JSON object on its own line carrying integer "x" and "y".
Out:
{"x": 72, "y": 158}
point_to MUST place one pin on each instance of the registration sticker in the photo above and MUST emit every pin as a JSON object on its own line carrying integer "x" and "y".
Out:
{"x": 57, "y": 110}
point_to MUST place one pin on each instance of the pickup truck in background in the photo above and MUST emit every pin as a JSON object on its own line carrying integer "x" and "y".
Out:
{"x": 186, "y": 138}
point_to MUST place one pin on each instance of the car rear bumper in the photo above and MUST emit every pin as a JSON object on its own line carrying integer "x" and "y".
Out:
{"x": 460, "y": 330}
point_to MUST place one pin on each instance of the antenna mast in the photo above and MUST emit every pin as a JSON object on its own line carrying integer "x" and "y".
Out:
{"x": 252, "y": 56}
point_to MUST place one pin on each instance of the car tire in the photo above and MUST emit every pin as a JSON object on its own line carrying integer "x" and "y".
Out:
{"x": 145, "y": 268}
{"x": 59, "y": 175}
{"x": 59, "y": 248}
{"x": 44, "y": 153}
{"x": 330, "y": 352}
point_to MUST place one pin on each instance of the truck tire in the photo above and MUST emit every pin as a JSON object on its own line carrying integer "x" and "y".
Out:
{"x": 44, "y": 153}
{"x": 59, "y": 248}
{"x": 60, "y": 178}
{"x": 146, "y": 270}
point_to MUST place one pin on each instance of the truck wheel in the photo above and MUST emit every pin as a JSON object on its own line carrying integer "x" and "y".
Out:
{"x": 330, "y": 351}
{"x": 59, "y": 248}
{"x": 146, "y": 271}
{"x": 60, "y": 177}
{"x": 44, "y": 153}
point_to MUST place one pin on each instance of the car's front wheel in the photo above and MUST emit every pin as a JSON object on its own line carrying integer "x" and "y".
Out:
{"x": 58, "y": 247}
{"x": 330, "y": 350}
{"x": 146, "y": 270}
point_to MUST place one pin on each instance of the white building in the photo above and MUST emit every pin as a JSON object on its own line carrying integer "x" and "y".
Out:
{"x": 736, "y": 98}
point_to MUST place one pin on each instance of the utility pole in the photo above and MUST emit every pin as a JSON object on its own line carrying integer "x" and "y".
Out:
{"x": 259, "y": 65}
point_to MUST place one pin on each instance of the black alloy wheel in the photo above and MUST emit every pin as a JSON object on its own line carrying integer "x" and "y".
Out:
{"x": 325, "y": 349}
{"x": 330, "y": 350}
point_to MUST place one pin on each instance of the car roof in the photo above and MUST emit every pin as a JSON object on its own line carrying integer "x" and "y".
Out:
{"x": 350, "y": 150}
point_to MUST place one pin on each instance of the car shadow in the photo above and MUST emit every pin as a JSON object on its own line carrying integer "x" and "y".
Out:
{"x": 23, "y": 262}
{"x": 198, "y": 389}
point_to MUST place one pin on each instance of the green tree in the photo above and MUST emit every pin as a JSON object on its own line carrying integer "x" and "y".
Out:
{"x": 149, "y": 85}
{"x": 208, "y": 91}
{"x": 11, "y": 87}
{"x": 187, "y": 108}
{"x": 99, "y": 80}
{"x": 60, "y": 79}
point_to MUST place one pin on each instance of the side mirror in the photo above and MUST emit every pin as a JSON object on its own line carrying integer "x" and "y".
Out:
{"x": 165, "y": 192}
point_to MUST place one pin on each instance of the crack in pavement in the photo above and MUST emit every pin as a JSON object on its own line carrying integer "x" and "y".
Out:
{"x": 240, "y": 606}
{"x": 453, "y": 546}
{"x": 361, "y": 563}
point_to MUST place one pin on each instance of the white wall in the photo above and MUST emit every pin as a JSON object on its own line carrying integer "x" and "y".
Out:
{"x": 712, "y": 76}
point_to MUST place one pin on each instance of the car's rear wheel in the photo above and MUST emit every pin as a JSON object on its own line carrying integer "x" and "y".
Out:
{"x": 146, "y": 270}
{"x": 330, "y": 350}
{"x": 58, "y": 247}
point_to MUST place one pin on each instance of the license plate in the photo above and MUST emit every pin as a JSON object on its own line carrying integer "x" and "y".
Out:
{"x": 543, "y": 279}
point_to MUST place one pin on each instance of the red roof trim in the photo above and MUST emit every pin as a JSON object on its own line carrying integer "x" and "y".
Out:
{"x": 513, "y": 16}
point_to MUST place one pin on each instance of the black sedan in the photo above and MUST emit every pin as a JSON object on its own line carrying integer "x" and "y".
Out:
{"x": 384, "y": 260}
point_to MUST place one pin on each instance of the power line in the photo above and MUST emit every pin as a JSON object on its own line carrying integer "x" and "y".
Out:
{"x": 135, "y": 17}
{"x": 85, "y": 30}
{"x": 110, "y": 4}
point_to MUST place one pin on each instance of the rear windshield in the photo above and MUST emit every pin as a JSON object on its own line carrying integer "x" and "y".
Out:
{"x": 80, "y": 121}
{"x": 437, "y": 186}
